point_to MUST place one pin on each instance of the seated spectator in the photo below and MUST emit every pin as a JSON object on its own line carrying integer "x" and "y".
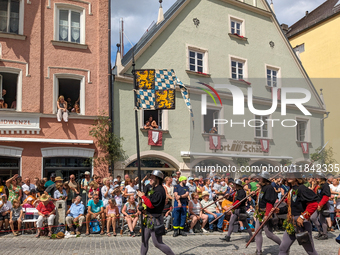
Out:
{"x": 26, "y": 188}
{"x": 94, "y": 190}
{"x": 60, "y": 192}
{"x": 192, "y": 186}
{"x": 5, "y": 210}
{"x": 167, "y": 213}
{"x": 213, "y": 130}
{"x": 46, "y": 210}
{"x": 112, "y": 213}
{"x": 95, "y": 210}
{"x": 75, "y": 215}
{"x": 50, "y": 190}
{"x": 3, "y": 105}
{"x": 40, "y": 187}
{"x": 106, "y": 191}
{"x": 117, "y": 195}
{"x": 130, "y": 210}
{"x": 76, "y": 108}
{"x": 16, "y": 216}
{"x": 2, "y": 188}
{"x": 130, "y": 189}
{"x": 147, "y": 125}
{"x": 62, "y": 112}
{"x": 196, "y": 213}
{"x": 33, "y": 197}
{"x": 212, "y": 211}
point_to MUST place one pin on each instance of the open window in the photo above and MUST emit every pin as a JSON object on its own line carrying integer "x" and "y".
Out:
{"x": 153, "y": 117}
{"x": 208, "y": 121}
{"x": 70, "y": 89}
{"x": 8, "y": 90}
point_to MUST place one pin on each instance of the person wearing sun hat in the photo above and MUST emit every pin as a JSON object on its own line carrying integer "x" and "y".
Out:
{"x": 46, "y": 210}
{"x": 181, "y": 193}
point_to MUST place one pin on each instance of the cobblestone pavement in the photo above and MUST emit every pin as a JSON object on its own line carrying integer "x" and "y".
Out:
{"x": 190, "y": 245}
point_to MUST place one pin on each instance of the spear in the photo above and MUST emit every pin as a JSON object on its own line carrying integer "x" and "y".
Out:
{"x": 234, "y": 206}
{"x": 268, "y": 217}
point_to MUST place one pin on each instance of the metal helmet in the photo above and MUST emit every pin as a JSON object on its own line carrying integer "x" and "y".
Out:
{"x": 158, "y": 174}
{"x": 238, "y": 182}
{"x": 264, "y": 175}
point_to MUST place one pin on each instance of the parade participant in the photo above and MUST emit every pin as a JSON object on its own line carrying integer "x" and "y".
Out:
{"x": 181, "y": 193}
{"x": 265, "y": 203}
{"x": 301, "y": 204}
{"x": 323, "y": 192}
{"x": 239, "y": 209}
{"x": 155, "y": 201}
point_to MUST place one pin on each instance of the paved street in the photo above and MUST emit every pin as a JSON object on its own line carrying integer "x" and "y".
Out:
{"x": 198, "y": 244}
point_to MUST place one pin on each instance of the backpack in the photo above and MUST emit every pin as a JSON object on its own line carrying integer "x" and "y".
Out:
{"x": 60, "y": 228}
{"x": 94, "y": 227}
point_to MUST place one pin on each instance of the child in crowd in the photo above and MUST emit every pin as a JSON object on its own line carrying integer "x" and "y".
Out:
{"x": 167, "y": 214}
{"x": 93, "y": 189}
{"x": 112, "y": 213}
{"x": 16, "y": 216}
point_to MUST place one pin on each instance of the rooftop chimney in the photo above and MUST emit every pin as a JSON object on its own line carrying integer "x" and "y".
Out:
{"x": 160, "y": 13}
{"x": 307, "y": 13}
{"x": 284, "y": 28}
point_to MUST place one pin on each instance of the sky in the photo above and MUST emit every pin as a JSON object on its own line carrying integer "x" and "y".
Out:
{"x": 138, "y": 17}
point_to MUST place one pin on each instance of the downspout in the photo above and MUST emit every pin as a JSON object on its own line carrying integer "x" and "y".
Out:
{"x": 110, "y": 78}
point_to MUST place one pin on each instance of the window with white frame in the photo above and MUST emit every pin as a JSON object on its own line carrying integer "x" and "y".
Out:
{"x": 261, "y": 127}
{"x": 272, "y": 75}
{"x": 10, "y": 16}
{"x": 237, "y": 69}
{"x": 236, "y": 26}
{"x": 8, "y": 90}
{"x": 301, "y": 130}
{"x": 153, "y": 118}
{"x": 196, "y": 61}
{"x": 208, "y": 121}
{"x": 70, "y": 24}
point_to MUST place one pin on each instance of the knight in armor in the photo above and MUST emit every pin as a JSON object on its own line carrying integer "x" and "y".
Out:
{"x": 154, "y": 223}
{"x": 301, "y": 204}
{"x": 323, "y": 192}
{"x": 239, "y": 211}
{"x": 266, "y": 198}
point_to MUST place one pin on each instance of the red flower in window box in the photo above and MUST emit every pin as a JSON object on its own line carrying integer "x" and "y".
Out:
{"x": 202, "y": 73}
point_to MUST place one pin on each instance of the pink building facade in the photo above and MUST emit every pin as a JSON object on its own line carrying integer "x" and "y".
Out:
{"x": 47, "y": 49}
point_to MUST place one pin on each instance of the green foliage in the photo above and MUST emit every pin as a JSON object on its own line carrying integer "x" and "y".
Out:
{"x": 286, "y": 162}
{"x": 325, "y": 157}
{"x": 108, "y": 143}
{"x": 242, "y": 161}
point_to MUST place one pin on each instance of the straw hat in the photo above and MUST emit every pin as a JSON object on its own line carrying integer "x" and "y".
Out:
{"x": 205, "y": 193}
{"x": 60, "y": 235}
{"x": 44, "y": 197}
{"x": 59, "y": 179}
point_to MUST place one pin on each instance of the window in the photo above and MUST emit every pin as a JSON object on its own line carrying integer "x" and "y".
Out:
{"x": 70, "y": 24}
{"x": 9, "y": 16}
{"x": 8, "y": 90}
{"x": 272, "y": 77}
{"x": 153, "y": 115}
{"x": 261, "y": 129}
{"x": 70, "y": 89}
{"x": 196, "y": 61}
{"x": 236, "y": 26}
{"x": 237, "y": 71}
{"x": 301, "y": 130}
{"x": 9, "y": 166}
{"x": 208, "y": 121}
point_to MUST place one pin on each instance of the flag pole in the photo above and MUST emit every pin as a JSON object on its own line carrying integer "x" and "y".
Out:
{"x": 137, "y": 143}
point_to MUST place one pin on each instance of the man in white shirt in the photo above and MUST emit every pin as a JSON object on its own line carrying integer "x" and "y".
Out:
{"x": 26, "y": 188}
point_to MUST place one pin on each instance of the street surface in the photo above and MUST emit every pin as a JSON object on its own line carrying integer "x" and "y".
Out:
{"x": 190, "y": 245}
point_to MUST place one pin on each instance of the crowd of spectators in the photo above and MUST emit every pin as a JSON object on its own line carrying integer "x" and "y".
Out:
{"x": 113, "y": 202}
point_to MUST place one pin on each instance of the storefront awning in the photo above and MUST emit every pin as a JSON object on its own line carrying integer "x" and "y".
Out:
{"x": 188, "y": 154}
